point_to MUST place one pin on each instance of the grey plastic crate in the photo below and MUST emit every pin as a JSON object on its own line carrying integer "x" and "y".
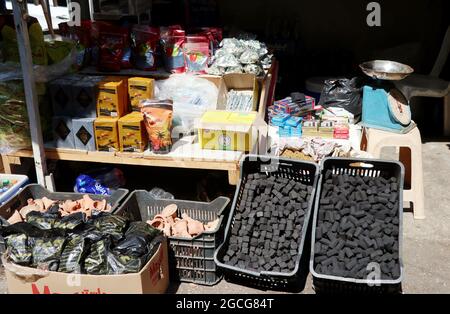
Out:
{"x": 190, "y": 260}
{"x": 299, "y": 171}
{"x": 357, "y": 167}
{"x": 38, "y": 191}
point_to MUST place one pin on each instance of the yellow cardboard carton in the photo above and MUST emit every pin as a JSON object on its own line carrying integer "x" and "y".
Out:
{"x": 106, "y": 134}
{"x": 132, "y": 134}
{"x": 112, "y": 100}
{"x": 140, "y": 88}
{"x": 235, "y": 131}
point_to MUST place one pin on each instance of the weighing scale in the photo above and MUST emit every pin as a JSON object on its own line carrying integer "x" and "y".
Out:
{"x": 384, "y": 107}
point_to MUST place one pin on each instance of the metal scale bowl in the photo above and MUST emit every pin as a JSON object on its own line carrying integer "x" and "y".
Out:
{"x": 385, "y": 107}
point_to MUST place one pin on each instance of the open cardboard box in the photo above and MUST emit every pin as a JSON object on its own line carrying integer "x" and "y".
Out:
{"x": 153, "y": 278}
{"x": 236, "y": 81}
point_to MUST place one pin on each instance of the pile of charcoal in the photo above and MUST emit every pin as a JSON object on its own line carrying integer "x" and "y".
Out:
{"x": 268, "y": 222}
{"x": 358, "y": 224}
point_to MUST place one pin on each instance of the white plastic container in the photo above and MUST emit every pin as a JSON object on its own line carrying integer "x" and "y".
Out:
{"x": 22, "y": 180}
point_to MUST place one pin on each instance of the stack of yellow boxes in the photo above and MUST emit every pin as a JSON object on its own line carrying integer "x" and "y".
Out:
{"x": 115, "y": 129}
{"x": 112, "y": 103}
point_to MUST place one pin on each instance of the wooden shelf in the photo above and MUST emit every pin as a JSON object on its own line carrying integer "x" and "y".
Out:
{"x": 185, "y": 155}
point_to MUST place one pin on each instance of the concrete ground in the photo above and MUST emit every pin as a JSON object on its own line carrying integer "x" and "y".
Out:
{"x": 426, "y": 243}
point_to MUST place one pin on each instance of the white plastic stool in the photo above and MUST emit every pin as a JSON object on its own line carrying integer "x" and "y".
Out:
{"x": 410, "y": 148}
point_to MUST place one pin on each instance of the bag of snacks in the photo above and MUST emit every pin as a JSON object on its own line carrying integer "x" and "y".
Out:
{"x": 172, "y": 40}
{"x": 158, "y": 122}
{"x": 197, "y": 54}
{"x": 145, "y": 41}
{"x": 110, "y": 52}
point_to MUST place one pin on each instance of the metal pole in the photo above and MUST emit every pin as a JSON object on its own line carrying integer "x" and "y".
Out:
{"x": 31, "y": 99}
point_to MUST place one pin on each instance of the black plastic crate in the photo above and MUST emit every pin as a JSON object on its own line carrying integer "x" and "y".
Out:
{"x": 357, "y": 167}
{"x": 299, "y": 171}
{"x": 38, "y": 191}
{"x": 190, "y": 260}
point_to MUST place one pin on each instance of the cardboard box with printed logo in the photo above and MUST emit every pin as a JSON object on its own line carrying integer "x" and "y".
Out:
{"x": 63, "y": 132}
{"x": 106, "y": 134}
{"x": 112, "y": 100}
{"x": 132, "y": 134}
{"x": 83, "y": 130}
{"x": 140, "y": 88}
{"x": 152, "y": 279}
{"x": 235, "y": 131}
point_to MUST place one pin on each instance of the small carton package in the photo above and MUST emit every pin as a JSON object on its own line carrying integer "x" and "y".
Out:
{"x": 106, "y": 134}
{"x": 63, "y": 132}
{"x": 83, "y": 130}
{"x": 140, "y": 88}
{"x": 132, "y": 134}
{"x": 112, "y": 100}
{"x": 235, "y": 131}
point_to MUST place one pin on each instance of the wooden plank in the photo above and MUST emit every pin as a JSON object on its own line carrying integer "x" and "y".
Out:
{"x": 124, "y": 158}
{"x": 23, "y": 42}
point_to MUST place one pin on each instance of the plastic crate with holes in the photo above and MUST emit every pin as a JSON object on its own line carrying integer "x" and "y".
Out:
{"x": 364, "y": 169}
{"x": 190, "y": 260}
{"x": 302, "y": 172}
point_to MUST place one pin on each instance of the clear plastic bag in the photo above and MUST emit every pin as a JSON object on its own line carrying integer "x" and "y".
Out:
{"x": 160, "y": 193}
{"x": 191, "y": 96}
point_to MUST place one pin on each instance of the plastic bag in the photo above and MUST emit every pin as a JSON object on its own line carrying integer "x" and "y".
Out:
{"x": 343, "y": 93}
{"x": 112, "y": 225}
{"x": 73, "y": 255}
{"x": 19, "y": 248}
{"x": 86, "y": 184}
{"x": 41, "y": 220}
{"x": 14, "y": 126}
{"x": 145, "y": 41}
{"x": 111, "y": 51}
{"x": 160, "y": 193}
{"x": 137, "y": 237}
{"x": 191, "y": 96}
{"x": 197, "y": 57}
{"x": 47, "y": 252}
{"x": 172, "y": 40}
{"x": 131, "y": 254}
{"x": 158, "y": 122}
{"x": 96, "y": 261}
{"x": 10, "y": 47}
{"x": 71, "y": 221}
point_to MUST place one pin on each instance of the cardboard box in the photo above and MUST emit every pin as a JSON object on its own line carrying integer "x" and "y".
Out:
{"x": 106, "y": 134}
{"x": 83, "y": 130}
{"x": 140, "y": 88}
{"x": 132, "y": 134}
{"x": 63, "y": 135}
{"x": 61, "y": 96}
{"x": 153, "y": 278}
{"x": 236, "y": 131}
{"x": 85, "y": 93}
{"x": 236, "y": 81}
{"x": 112, "y": 100}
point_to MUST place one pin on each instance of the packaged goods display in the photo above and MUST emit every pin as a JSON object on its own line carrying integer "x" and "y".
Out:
{"x": 106, "y": 134}
{"x": 158, "y": 122}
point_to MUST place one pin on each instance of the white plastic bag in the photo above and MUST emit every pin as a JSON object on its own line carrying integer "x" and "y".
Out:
{"x": 191, "y": 96}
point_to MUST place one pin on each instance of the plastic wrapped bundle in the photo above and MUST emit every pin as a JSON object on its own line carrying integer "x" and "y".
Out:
{"x": 47, "y": 252}
{"x": 96, "y": 262}
{"x": 111, "y": 225}
{"x": 19, "y": 249}
{"x": 73, "y": 254}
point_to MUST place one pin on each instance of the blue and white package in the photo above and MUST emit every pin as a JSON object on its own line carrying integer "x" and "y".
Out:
{"x": 86, "y": 184}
